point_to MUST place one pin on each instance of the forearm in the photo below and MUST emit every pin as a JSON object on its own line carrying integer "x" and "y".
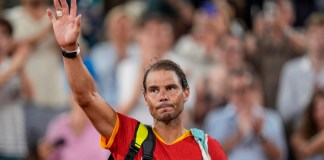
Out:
{"x": 67, "y": 30}
{"x": 33, "y": 40}
{"x": 271, "y": 150}
{"x": 297, "y": 40}
{"x": 101, "y": 114}
{"x": 81, "y": 83}
{"x": 18, "y": 61}
{"x": 315, "y": 145}
{"x": 26, "y": 86}
{"x": 231, "y": 142}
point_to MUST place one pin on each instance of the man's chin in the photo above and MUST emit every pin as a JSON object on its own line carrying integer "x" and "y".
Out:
{"x": 165, "y": 117}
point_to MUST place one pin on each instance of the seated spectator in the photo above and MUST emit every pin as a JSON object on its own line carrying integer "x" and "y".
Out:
{"x": 245, "y": 129}
{"x": 308, "y": 139}
{"x": 71, "y": 136}
{"x": 14, "y": 86}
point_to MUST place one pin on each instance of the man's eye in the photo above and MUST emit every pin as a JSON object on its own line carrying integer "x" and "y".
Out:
{"x": 170, "y": 88}
{"x": 153, "y": 90}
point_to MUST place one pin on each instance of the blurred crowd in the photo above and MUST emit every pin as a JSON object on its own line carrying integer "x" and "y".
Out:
{"x": 255, "y": 69}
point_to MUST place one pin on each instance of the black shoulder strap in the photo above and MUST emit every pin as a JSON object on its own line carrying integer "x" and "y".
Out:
{"x": 149, "y": 144}
{"x": 132, "y": 151}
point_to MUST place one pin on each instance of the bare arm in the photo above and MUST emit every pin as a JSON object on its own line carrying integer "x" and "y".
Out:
{"x": 304, "y": 147}
{"x": 37, "y": 37}
{"x": 271, "y": 149}
{"x": 26, "y": 86}
{"x": 67, "y": 30}
{"x": 18, "y": 61}
{"x": 231, "y": 142}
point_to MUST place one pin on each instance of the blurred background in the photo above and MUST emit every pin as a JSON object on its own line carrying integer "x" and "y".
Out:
{"x": 255, "y": 69}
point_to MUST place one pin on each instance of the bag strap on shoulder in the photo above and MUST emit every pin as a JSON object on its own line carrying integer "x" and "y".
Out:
{"x": 149, "y": 144}
{"x": 140, "y": 135}
{"x": 202, "y": 140}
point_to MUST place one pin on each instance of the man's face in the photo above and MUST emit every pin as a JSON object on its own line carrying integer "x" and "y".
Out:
{"x": 232, "y": 52}
{"x": 239, "y": 92}
{"x": 164, "y": 95}
{"x": 120, "y": 29}
{"x": 315, "y": 36}
{"x": 156, "y": 37}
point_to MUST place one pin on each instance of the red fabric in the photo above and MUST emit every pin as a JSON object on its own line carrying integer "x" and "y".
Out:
{"x": 186, "y": 149}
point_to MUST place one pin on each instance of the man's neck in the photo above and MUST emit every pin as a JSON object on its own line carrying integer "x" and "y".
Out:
{"x": 170, "y": 131}
{"x": 317, "y": 62}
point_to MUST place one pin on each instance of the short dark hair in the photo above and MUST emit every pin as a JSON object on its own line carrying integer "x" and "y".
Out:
{"x": 249, "y": 74}
{"x": 147, "y": 17}
{"x": 6, "y": 24}
{"x": 167, "y": 65}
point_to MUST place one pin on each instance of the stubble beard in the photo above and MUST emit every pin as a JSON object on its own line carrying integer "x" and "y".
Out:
{"x": 167, "y": 117}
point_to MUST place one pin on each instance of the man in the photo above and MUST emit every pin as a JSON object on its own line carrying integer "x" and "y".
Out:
{"x": 165, "y": 92}
{"x": 245, "y": 128}
{"x": 302, "y": 75}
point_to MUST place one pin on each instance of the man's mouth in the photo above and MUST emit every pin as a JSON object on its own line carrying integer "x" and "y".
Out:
{"x": 164, "y": 105}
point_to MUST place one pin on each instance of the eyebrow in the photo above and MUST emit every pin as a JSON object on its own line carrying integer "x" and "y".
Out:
{"x": 167, "y": 86}
{"x": 172, "y": 85}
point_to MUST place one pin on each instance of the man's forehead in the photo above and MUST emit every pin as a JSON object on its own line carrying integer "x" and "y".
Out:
{"x": 162, "y": 77}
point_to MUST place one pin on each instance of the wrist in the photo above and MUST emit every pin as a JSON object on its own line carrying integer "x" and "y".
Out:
{"x": 71, "y": 52}
{"x": 261, "y": 138}
{"x": 70, "y": 48}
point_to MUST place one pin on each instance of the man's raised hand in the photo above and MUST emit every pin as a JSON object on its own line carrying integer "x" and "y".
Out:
{"x": 66, "y": 24}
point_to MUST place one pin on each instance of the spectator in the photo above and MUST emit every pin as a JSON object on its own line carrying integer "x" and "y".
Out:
{"x": 14, "y": 87}
{"x": 106, "y": 56}
{"x": 201, "y": 46}
{"x": 276, "y": 42}
{"x": 32, "y": 26}
{"x": 44, "y": 66}
{"x": 300, "y": 76}
{"x": 71, "y": 136}
{"x": 231, "y": 52}
{"x": 308, "y": 139}
{"x": 245, "y": 129}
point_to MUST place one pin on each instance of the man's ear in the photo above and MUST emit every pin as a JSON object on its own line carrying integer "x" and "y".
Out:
{"x": 145, "y": 98}
{"x": 186, "y": 94}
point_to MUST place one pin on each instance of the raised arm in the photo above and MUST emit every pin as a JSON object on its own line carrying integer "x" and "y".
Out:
{"x": 66, "y": 30}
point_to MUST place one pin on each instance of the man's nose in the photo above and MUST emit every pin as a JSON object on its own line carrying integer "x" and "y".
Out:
{"x": 163, "y": 96}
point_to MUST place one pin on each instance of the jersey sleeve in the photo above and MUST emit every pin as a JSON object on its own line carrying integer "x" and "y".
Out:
{"x": 121, "y": 137}
{"x": 216, "y": 151}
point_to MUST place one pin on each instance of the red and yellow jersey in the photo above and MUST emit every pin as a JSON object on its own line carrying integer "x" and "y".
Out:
{"x": 184, "y": 148}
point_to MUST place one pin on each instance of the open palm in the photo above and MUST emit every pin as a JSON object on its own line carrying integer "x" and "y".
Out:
{"x": 66, "y": 27}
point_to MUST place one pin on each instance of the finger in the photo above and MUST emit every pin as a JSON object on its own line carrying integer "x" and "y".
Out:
{"x": 73, "y": 9}
{"x": 51, "y": 16}
{"x": 77, "y": 24}
{"x": 65, "y": 7}
{"x": 57, "y": 5}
